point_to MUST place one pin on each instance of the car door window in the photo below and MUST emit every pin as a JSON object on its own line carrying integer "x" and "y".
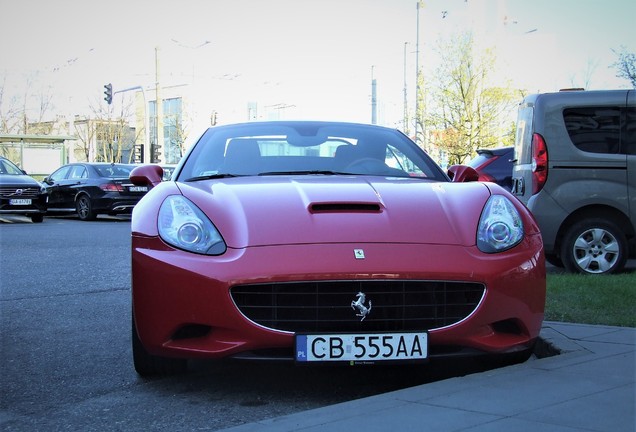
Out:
{"x": 60, "y": 174}
{"x": 594, "y": 129}
{"x": 629, "y": 139}
{"x": 78, "y": 172}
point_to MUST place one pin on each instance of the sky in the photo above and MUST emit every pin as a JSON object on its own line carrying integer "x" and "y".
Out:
{"x": 312, "y": 58}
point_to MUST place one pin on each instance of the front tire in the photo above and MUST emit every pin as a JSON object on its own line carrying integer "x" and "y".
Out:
{"x": 594, "y": 246}
{"x": 148, "y": 365}
{"x": 37, "y": 218}
{"x": 85, "y": 208}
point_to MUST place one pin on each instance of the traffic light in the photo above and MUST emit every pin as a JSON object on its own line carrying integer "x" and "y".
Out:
{"x": 156, "y": 154}
{"x": 138, "y": 153}
{"x": 108, "y": 93}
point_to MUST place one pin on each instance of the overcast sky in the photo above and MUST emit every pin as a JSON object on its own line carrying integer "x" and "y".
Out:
{"x": 317, "y": 55}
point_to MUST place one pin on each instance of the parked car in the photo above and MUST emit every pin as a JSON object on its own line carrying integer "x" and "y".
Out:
{"x": 494, "y": 165}
{"x": 168, "y": 169}
{"x": 89, "y": 189}
{"x": 324, "y": 242}
{"x": 575, "y": 171}
{"x": 19, "y": 193}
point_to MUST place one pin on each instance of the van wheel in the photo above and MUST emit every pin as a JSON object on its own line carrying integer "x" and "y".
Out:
{"x": 594, "y": 246}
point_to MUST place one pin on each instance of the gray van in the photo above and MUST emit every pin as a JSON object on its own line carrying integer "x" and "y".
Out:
{"x": 575, "y": 169}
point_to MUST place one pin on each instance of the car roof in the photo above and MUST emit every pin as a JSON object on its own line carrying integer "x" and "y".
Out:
{"x": 494, "y": 151}
{"x": 307, "y": 123}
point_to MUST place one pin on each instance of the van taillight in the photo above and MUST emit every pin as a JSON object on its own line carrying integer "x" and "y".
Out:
{"x": 539, "y": 163}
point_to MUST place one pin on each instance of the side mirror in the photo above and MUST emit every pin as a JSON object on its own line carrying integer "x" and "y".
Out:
{"x": 462, "y": 173}
{"x": 146, "y": 175}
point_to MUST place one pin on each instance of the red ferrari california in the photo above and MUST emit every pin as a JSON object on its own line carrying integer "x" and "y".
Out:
{"x": 327, "y": 242}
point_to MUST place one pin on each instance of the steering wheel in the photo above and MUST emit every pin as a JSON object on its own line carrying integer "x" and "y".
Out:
{"x": 367, "y": 165}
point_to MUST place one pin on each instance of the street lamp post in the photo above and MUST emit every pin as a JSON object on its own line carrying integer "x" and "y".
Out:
{"x": 405, "y": 123}
{"x": 146, "y": 154}
{"x": 156, "y": 155}
{"x": 374, "y": 99}
{"x": 417, "y": 72}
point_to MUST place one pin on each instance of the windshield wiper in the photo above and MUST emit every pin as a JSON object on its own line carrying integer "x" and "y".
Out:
{"x": 212, "y": 176}
{"x": 303, "y": 172}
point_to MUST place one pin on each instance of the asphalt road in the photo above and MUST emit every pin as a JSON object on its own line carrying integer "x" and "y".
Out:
{"x": 65, "y": 358}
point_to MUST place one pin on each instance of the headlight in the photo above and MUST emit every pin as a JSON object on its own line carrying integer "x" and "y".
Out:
{"x": 500, "y": 226}
{"x": 184, "y": 226}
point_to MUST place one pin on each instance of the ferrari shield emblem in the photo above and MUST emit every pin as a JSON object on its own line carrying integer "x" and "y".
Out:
{"x": 358, "y": 253}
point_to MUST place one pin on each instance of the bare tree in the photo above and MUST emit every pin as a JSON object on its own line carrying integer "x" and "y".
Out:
{"x": 586, "y": 76}
{"x": 11, "y": 117}
{"x": 466, "y": 112}
{"x": 420, "y": 113}
{"x": 85, "y": 131}
{"x": 626, "y": 65}
{"x": 16, "y": 115}
{"x": 177, "y": 135}
{"x": 110, "y": 136}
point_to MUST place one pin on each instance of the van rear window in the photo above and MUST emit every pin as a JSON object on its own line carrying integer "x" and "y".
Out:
{"x": 594, "y": 129}
{"x": 523, "y": 138}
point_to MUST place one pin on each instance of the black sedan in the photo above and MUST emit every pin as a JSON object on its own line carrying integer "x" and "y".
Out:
{"x": 89, "y": 189}
{"x": 19, "y": 193}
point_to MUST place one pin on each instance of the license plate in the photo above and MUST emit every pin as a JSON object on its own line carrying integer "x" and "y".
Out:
{"x": 361, "y": 347}
{"x": 138, "y": 189}
{"x": 21, "y": 201}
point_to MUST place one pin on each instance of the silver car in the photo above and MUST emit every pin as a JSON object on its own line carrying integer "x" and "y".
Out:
{"x": 575, "y": 169}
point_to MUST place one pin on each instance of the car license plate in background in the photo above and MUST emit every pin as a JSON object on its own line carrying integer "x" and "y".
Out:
{"x": 138, "y": 189}
{"x": 361, "y": 347}
{"x": 21, "y": 201}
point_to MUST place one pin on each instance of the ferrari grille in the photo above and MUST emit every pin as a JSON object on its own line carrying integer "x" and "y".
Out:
{"x": 336, "y": 306}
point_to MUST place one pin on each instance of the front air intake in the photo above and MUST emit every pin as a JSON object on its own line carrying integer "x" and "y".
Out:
{"x": 326, "y": 306}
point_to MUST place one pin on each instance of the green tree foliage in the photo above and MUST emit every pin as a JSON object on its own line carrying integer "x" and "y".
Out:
{"x": 465, "y": 111}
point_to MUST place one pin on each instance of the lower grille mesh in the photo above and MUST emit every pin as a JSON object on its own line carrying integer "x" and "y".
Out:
{"x": 325, "y": 306}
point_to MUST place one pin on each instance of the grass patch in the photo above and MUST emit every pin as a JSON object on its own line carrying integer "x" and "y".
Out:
{"x": 592, "y": 299}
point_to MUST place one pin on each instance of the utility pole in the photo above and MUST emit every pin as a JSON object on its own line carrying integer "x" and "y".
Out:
{"x": 374, "y": 99}
{"x": 417, "y": 72}
{"x": 157, "y": 155}
{"x": 146, "y": 150}
{"x": 405, "y": 123}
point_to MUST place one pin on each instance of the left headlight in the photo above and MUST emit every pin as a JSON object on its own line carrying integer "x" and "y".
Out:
{"x": 183, "y": 225}
{"x": 500, "y": 226}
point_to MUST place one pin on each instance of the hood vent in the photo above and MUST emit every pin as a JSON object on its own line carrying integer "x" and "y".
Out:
{"x": 339, "y": 207}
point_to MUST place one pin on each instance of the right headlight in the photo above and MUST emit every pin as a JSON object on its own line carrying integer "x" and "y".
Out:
{"x": 500, "y": 226}
{"x": 183, "y": 225}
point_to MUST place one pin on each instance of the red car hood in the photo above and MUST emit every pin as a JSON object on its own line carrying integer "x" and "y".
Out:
{"x": 339, "y": 209}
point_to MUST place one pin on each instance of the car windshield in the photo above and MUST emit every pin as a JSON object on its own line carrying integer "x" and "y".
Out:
{"x": 7, "y": 167}
{"x": 311, "y": 148}
{"x": 114, "y": 171}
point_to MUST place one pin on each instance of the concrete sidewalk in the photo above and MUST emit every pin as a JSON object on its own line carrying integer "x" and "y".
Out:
{"x": 589, "y": 386}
